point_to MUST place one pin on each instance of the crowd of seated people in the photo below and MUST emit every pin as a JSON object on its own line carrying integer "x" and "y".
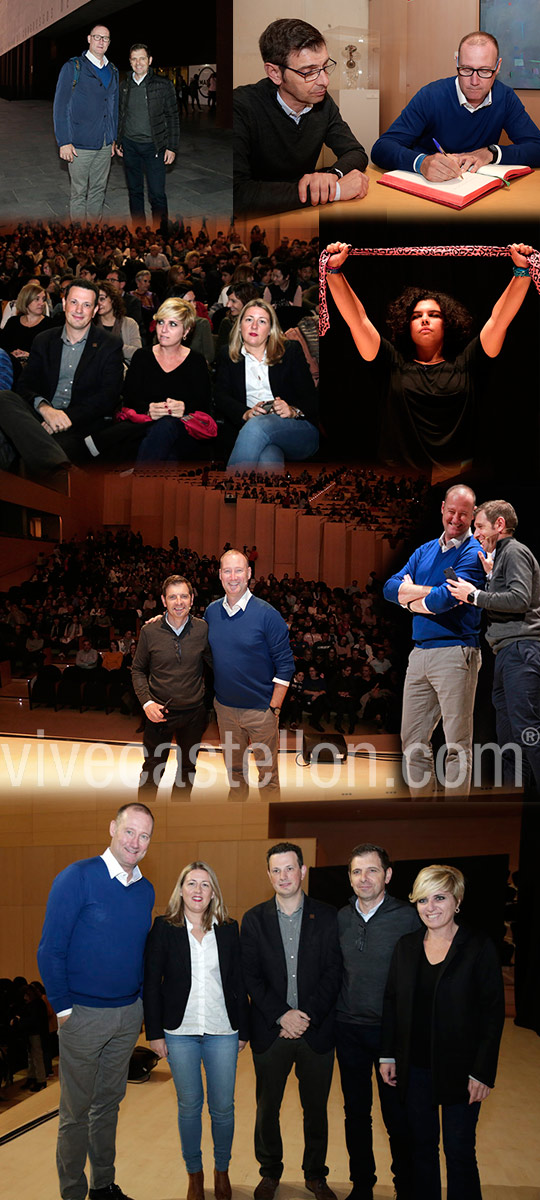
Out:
{"x": 86, "y": 602}
{"x": 249, "y": 389}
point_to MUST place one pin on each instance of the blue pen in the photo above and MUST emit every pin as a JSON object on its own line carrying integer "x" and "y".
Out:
{"x": 441, "y": 151}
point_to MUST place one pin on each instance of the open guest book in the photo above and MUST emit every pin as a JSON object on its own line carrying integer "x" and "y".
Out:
{"x": 455, "y": 193}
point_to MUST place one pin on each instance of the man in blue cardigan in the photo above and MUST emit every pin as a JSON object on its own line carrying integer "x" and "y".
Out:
{"x": 90, "y": 958}
{"x": 253, "y": 666}
{"x": 465, "y": 116}
{"x": 85, "y": 114}
{"x": 442, "y": 674}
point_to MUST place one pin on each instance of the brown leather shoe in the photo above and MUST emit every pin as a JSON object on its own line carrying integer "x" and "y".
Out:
{"x": 196, "y": 1186}
{"x": 222, "y": 1185}
{"x": 320, "y": 1189}
{"x": 266, "y": 1188}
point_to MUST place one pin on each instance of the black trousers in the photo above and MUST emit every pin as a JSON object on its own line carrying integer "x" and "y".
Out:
{"x": 314, "y": 1075}
{"x": 357, "y": 1049}
{"x": 187, "y": 728}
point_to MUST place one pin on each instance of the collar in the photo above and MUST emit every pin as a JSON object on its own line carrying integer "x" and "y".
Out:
{"x": 464, "y": 103}
{"x": 453, "y": 543}
{"x": 138, "y": 82}
{"x": 95, "y": 61}
{"x": 291, "y": 112}
{"x": 116, "y": 871}
{"x": 176, "y": 631}
{"x": 293, "y": 914}
{"x": 262, "y": 362}
{"x": 241, "y": 604}
{"x": 67, "y": 341}
{"x": 372, "y": 911}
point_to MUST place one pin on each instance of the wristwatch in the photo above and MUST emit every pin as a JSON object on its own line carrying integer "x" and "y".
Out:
{"x": 471, "y": 597}
{"x": 494, "y": 153}
{"x": 276, "y": 709}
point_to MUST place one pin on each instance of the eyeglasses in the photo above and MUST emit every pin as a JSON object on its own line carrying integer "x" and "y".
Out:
{"x": 482, "y": 72}
{"x": 99, "y": 37}
{"x": 311, "y": 76}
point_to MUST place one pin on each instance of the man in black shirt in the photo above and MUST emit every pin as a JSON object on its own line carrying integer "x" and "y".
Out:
{"x": 282, "y": 122}
{"x": 148, "y": 134}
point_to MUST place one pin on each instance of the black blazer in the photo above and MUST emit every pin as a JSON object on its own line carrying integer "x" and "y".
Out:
{"x": 167, "y": 977}
{"x": 265, "y": 972}
{"x": 468, "y": 1013}
{"x": 290, "y": 378}
{"x": 97, "y": 381}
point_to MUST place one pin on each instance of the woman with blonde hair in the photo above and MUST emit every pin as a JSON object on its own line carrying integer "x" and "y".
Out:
{"x": 265, "y": 392}
{"x": 443, "y": 1018}
{"x": 29, "y": 319}
{"x": 196, "y": 1012}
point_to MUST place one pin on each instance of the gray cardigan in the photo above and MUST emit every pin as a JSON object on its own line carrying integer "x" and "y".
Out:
{"x": 512, "y": 596}
{"x": 365, "y": 970}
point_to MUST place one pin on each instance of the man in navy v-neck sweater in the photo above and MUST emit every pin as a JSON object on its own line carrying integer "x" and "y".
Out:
{"x": 90, "y": 958}
{"x": 253, "y": 666}
{"x": 442, "y": 674}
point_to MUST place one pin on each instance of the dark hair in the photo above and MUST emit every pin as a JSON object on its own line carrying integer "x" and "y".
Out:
{"x": 118, "y": 306}
{"x": 122, "y": 277}
{"x": 285, "y": 848}
{"x": 244, "y": 292}
{"x": 171, "y": 580}
{"x": 370, "y": 848}
{"x": 286, "y": 35}
{"x": 87, "y": 284}
{"x": 138, "y": 46}
{"x": 458, "y": 322}
{"x": 138, "y": 808}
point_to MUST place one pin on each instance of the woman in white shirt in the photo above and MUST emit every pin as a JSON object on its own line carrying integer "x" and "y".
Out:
{"x": 196, "y": 1012}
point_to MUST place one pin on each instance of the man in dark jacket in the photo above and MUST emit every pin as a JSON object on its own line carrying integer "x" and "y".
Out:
{"x": 68, "y": 389}
{"x": 282, "y": 123}
{"x": 85, "y": 114}
{"x": 168, "y": 677}
{"x": 148, "y": 134}
{"x": 292, "y": 971}
{"x": 369, "y": 927}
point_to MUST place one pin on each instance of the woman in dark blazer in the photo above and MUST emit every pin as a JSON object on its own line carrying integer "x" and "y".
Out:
{"x": 442, "y": 1023}
{"x": 265, "y": 392}
{"x": 196, "y": 1011}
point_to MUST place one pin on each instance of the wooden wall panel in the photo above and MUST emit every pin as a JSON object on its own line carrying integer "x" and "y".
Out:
{"x": 308, "y": 559}
{"x": 285, "y": 541}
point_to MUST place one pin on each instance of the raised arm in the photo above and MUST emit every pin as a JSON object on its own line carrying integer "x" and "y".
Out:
{"x": 366, "y": 337}
{"x": 494, "y": 332}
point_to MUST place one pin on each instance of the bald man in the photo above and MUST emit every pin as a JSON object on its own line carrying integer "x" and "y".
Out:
{"x": 442, "y": 674}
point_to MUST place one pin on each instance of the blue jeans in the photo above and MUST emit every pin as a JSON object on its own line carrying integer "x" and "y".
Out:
{"x": 268, "y": 440}
{"x": 459, "y": 1136}
{"x": 218, "y": 1053}
{"x": 516, "y": 698}
{"x": 140, "y": 159}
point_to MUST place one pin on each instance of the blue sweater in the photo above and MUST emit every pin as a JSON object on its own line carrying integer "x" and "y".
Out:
{"x": 85, "y": 113}
{"x": 249, "y": 650}
{"x": 92, "y": 945}
{"x": 435, "y": 112}
{"x": 452, "y": 623}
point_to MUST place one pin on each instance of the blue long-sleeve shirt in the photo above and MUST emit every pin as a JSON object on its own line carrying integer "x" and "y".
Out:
{"x": 249, "y": 650}
{"x": 85, "y": 109}
{"x": 92, "y": 945}
{"x": 448, "y": 623}
{"x": 435, "y": 112}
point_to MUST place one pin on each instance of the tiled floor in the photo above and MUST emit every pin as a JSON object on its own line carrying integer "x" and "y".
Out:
{"x": 34, "y": 183}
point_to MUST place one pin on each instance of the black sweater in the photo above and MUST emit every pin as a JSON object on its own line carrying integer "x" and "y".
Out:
{"x": 272, "y": 152}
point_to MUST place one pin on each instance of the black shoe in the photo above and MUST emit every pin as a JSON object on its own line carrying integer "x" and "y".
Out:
{"x": 317, "y": 725}
{"x": 111, "y": 1192}
{"x": 359, "y": 1193}
{"x": 37, "y": 1087}
{"x": 320, "y": 1189}
{"x": 266, "y": 1189}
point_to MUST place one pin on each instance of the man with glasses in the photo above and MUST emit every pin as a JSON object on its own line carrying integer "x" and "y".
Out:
{"x": 168, "y": 678}
{"x": 282, "y": 123}
{"x": 85, "y": 116}
{"x": 465, "y": 116}
{"x": 369, "y": 927}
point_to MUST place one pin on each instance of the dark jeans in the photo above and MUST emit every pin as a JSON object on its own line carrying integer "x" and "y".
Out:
{"x": 516, "y": 697}
{"x": 357, "y": 1049}
{"x": 140, "y": 159}
{"x": 459, "y": 1134}
{"x": 314, "y": 1075}
{"x": 187, "y": 728}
